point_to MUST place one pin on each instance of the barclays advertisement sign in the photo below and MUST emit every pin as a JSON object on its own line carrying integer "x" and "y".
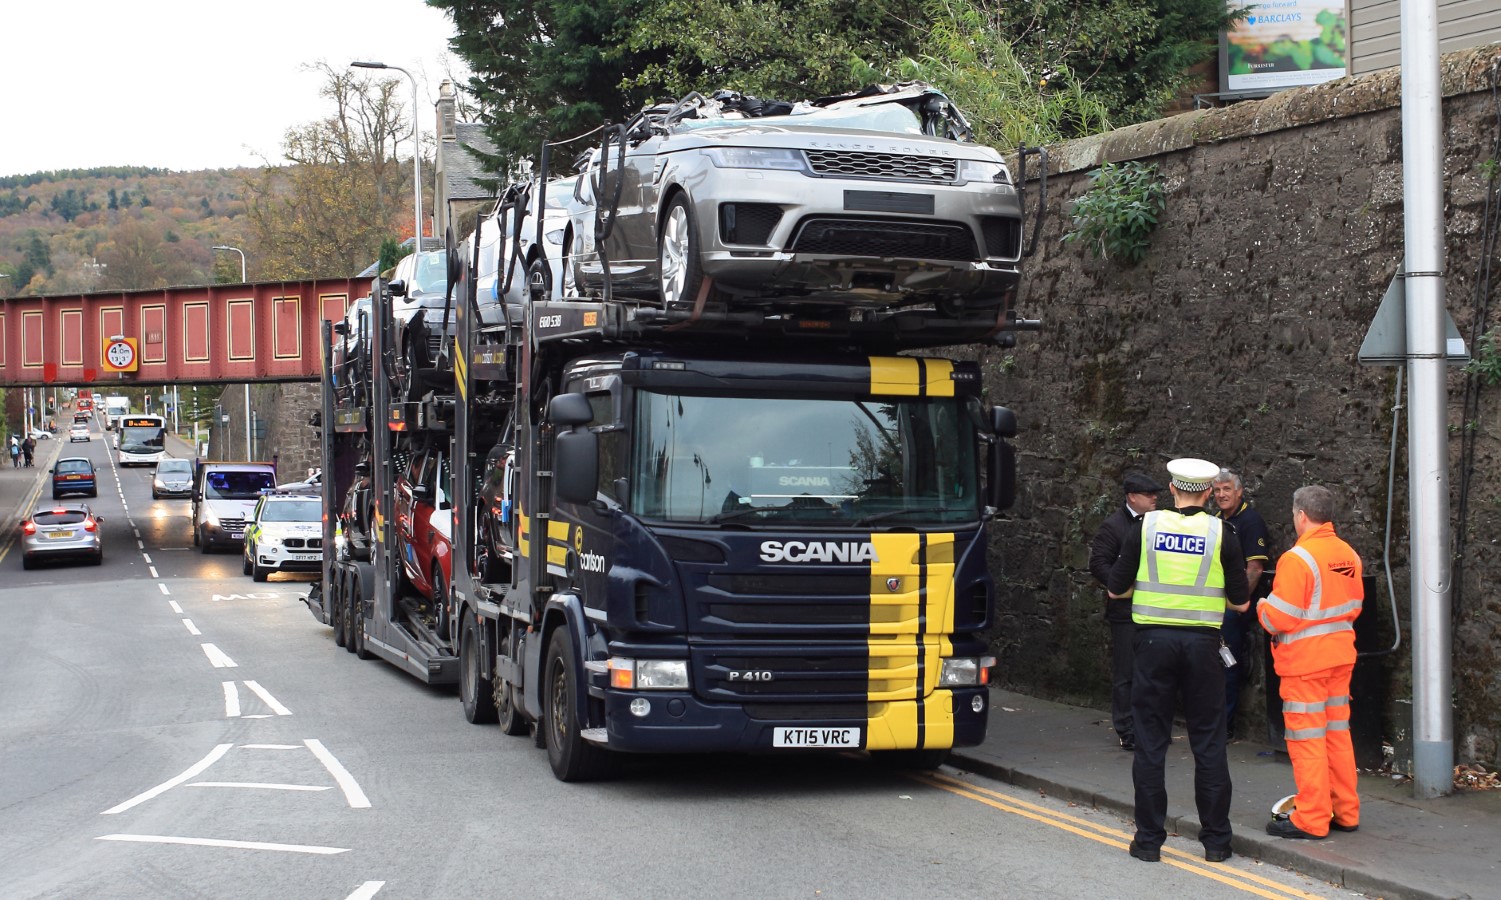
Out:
{"x": 1285, "y": 43}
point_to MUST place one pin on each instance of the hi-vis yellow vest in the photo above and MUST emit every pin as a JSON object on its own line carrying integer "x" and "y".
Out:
{"x": 1180, "y": 580}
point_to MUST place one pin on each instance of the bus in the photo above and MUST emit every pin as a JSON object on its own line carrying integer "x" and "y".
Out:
{"x": 143, "y": 440}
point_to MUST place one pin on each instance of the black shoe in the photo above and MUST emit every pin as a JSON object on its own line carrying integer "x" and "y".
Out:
{"x": 1346, "y": 828}
{"x": 1128, "y": 743}
{"x": 1146, "y": 854}
{"x": 1284, "y": 828}
{"x": 1217, "y": 854}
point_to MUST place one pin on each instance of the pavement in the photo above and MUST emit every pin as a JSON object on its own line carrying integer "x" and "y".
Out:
{"x": 1449, "y": 847}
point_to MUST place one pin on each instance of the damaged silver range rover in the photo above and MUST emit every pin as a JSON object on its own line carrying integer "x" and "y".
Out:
{"x": 877, "y": 198}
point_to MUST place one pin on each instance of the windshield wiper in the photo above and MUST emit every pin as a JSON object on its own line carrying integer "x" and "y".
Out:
{"x": 739, "y": 513}
{"x": 895, "y": 513}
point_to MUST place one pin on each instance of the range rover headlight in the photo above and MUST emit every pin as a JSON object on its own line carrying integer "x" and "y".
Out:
{"x": 756, "y": 158}
{"x": 984, "y": 171}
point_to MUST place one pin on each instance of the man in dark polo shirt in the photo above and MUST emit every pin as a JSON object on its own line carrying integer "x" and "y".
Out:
{"x": 1230, "y": 497}
{"x": 1141, "y": 497}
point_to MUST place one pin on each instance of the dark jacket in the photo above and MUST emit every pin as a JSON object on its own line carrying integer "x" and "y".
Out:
{"x": 1103, "y": 552}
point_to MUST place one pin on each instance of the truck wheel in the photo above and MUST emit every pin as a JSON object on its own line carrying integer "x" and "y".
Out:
{"x": 347, "y": 613}
{"x": 571, "y": 757}
{"x": 679, "y": 270}
{"x": 335, "y": 600}
{"x": 476, "y": 693}
{"x": 915, "y": 760}
{"x": 357, "y": 620}
{"x": 507, "y": 710}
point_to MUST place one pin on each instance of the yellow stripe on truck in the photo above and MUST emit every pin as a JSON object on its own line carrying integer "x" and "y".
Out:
{"x": 911, "y": 617}
{"x": 911, "y": 376}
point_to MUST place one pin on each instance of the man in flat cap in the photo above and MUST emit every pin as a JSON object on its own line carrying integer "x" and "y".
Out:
{"x": 1104, "y": 550}
{"x": 1181, "y": 569}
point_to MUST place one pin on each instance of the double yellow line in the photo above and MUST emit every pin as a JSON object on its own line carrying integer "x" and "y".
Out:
{"x": 1225, "y": 874}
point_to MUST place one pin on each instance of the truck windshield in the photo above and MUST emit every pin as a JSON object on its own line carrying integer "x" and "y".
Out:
{"x": 789, "y": 461}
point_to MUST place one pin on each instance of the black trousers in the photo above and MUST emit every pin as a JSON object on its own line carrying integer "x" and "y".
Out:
{"x": 1174, "y": 662}
{"x": 1122, "y": 663}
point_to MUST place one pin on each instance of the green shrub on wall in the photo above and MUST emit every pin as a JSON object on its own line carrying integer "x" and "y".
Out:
{"x": 1116, "y": 216}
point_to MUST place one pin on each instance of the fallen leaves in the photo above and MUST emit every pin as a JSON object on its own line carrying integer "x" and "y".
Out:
{"x": 1475, "y": 778}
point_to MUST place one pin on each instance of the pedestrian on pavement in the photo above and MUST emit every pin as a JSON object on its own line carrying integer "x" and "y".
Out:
{"x": 1180, "y": 568}
{"x": 1230, "y": 497}
{"x": 1104, "y": 550}
{"x": 15, "y": 452}
{"x": 1315, "y": 599}
{"x": 28, "y": 447}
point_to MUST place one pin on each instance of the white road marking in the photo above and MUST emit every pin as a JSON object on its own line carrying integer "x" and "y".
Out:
{"x": 271, "y": 701}
{"x": 152, "y": 570}
{"x": 366, "y": 890}
{"x": 269, "y": 746}
{"x": 262, "y": 784}
{"x": 231, "y": 700}
{"x": 218, "y": 657}
{"x": 140, "y": 545}
{"x": 138, "y": 532}
{"x": 192, "y": 772}
{"x": 211, "y": 842}
{"x": 351, "y": 788}
{"x": 147, "y": 557}
{"x": 256, "y": 595}
{"x": 192, "y": 629}
{"x": 175, "y": 608}
{"x": 256, "y": 716}
{"x": 164, "y": 589}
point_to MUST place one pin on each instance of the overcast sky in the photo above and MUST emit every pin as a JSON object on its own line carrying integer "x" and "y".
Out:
{"x": 187, "y": 84}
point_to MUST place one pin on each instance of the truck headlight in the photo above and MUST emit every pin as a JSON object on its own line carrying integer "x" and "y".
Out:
{"x": 648, "y": 674}
{"x": 965, "y": 671}
{"x": 755, "y": 158}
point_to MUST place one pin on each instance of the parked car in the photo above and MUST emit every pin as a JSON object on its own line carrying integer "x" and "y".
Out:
{"x": 312, "y": 484}
{"x": 78, "y": 433}
{"x": 420, "y": 290}
{"x": 61, "y": 531}
{"x": 877, "y": 198}
{"x": 74, "y": 475}
{"x": 173, "y": 478}
{"x": 41, "y": 434}
{"x": 424, "y": 530}
{"x": 350, "y": 347}
{"x": 285, "y": 535}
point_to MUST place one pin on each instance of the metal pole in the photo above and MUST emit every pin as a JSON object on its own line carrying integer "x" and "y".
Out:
{"x": 176, "y": 405}
{"x": 416, "y": 151}
{"x": 1427, "y": 442}
{"x": 248, "y": 455}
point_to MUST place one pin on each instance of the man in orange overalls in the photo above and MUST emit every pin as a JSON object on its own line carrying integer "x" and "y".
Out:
{"x": 1315, "y": 600}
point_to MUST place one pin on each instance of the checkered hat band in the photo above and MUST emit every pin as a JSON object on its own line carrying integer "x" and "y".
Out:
{"x": 1192, "y": 487}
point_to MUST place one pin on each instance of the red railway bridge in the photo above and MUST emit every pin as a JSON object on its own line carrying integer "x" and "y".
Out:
{"x": 223, "y": 333}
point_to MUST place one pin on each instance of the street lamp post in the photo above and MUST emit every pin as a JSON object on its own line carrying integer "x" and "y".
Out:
{"x": 416, "y": 150}
{"x": 243, "y": 280}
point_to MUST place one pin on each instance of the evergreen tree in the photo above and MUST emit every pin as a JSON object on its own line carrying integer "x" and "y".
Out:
{"x": 114, "y": 199}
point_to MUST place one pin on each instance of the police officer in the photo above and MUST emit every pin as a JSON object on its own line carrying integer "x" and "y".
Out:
{"x": 1181, "y": 569}
{"x": 1104, "y": 550}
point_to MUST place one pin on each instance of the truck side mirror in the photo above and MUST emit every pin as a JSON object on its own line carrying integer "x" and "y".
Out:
{"x": 576, "y": 449}
{"x": 1001, "y": 461}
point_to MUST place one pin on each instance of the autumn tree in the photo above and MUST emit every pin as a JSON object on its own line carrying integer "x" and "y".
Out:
{"x": 139, "y": 256}
{"x": 343, "y": 188}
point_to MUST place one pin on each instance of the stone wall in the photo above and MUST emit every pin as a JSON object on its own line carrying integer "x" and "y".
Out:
{"x": 283, "y": 434}
{"x": 1235, "y": 340}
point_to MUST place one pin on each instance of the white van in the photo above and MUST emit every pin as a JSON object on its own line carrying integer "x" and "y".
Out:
{"x": 224, "y": 497}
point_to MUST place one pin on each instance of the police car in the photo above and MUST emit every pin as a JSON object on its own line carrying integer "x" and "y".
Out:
{"x": 285, "y": 534}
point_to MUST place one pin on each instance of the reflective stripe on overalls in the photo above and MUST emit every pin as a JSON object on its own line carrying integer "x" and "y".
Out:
{"x": 1179, "y": 580}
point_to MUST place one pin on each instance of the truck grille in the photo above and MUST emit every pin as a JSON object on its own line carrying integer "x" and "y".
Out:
{"x": 833, "y": 675}
{"x": 885, "y": 238}
{"x": 888, "y": 166}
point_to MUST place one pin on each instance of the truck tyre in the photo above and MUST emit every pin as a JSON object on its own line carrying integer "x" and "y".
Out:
{"x": 507, "y": 710}
{"x": 571, "y": 757}
{"x": 357, "y": 620}
{"x": 679, "y": 269}
{"x": 346, "y": 614}
{"x": 913, "y": 760}
{"x": 475, "y": 692}
{"x": 335, "y": 601}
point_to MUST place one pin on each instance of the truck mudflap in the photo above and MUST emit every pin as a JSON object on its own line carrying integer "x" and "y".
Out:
{"x": 681, "y": 723}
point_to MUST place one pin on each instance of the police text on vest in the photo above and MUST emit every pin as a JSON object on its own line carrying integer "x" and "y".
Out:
{"x": 1179, "y": 543}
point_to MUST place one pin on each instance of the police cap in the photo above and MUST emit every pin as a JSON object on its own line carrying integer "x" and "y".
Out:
{"x": 1137, "y": 483}
{"x": 1192, "y": 475}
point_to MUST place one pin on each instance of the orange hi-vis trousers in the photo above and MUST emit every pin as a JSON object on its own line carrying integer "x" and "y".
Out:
{"x": 1316, "y": 711}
